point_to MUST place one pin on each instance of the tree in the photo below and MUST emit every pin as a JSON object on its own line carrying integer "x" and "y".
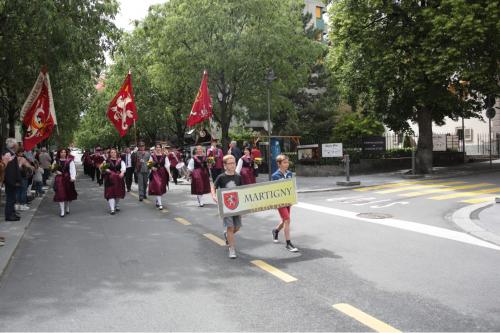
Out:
{"x": 399, "y": 59}
{"x": 70, "y": 37}
{"x": 237, "y": 42}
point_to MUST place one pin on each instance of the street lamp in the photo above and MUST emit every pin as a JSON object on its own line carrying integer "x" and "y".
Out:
{"x": 270, "y": 78}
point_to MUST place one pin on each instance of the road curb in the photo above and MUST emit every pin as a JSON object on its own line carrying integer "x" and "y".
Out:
{"x": 14, "y": 233}
{"x": 462, "y": 218}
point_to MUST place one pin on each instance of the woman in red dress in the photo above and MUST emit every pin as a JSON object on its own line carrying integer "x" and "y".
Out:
{"x": 200, "y": 182}
{"x": 245, "y": 168}
{"x": 114, "y": 184}
{"x": 159, "y": 176}
{"x": 64, "y": 182}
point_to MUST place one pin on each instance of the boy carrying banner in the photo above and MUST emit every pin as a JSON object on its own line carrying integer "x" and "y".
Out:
{"x": 283, "y": 173}
{"x": 229, "y": 179}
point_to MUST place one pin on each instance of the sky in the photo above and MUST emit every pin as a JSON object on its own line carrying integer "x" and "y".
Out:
{"x": 133, "y": 10}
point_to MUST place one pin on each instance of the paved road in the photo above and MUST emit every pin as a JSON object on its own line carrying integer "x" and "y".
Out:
{"x": 149, "y": 270}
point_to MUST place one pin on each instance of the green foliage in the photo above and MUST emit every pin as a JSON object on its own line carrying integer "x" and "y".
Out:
{"x": 69, "y": 37}
{"x": 399, "y": 58}
{"x": 353, "y": 126}
{"x": 237, "y": 42}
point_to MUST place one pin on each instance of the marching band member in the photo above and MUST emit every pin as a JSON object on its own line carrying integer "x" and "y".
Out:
{"x": 175, "y": 160}
{"x": 200, "y": 182}
{"x": 97, "y": 160}
{"x": 160, "y": 175}
{"x": 114, "y": 184}
{"x": 216, "y": 155}
{"x": 141, "y": 159}
{"x": 127, "y": 159}
{"x": 245, "y": 168}
{"x": 64, "y": 181}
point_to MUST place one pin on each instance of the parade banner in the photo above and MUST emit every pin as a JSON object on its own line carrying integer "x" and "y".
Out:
{"x": 254, "y": 198}
{"x": 202, "y": 106}
{"x": 122, "y": 111}
{"x": 38, "y": 113}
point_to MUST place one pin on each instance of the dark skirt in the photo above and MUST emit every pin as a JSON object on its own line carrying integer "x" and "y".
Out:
{"x": 247, "y": 176}
{"x": 64, "y": 188}
{"x": 158, "y": 181}
{"x": 114, "y": 186}
{"x": 200, "y": 183}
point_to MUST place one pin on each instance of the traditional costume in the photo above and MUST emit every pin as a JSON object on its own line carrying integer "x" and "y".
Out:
{"x": 217, "y": 166}
{"x": 114, "y": 185}
{"x": 158, "y": 179}
{"x": 64, "y": 185}
{"x": 97, "y": 160}
{"x": 245, "y": 168}
{"x": 176, "y": 164}
{"x": 200, "y": 182}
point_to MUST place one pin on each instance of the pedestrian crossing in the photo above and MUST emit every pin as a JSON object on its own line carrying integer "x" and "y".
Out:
{"x": 464, "y": 192}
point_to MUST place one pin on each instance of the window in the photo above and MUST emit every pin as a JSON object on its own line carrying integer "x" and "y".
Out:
{"x": 468, "y": 134}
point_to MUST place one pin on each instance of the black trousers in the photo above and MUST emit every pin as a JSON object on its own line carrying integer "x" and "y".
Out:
{"x": 215, "y": 173}
{"x": 92, "y": 172}
{"x": 45, "y": 177}
{"x": 98, "y": 176}
{"x": 10, "y": 201}
{"x": 129, "y": 173}
{"x": 175, "y": 174}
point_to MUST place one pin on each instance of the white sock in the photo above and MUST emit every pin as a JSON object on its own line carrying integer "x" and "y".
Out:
{"x": 158, "y": 200}
{"x": 117, "y": 203}
{"x": 200, "y": 199}
{"x": 112, "y": 204}
{"x": 61, "y": 206}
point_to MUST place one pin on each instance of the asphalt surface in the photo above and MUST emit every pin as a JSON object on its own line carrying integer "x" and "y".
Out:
{"x": 142, "y": 270}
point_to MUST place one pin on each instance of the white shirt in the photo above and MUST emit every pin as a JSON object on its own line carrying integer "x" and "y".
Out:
{"x": 72, "y": 170}
{"x": 167, "y": 162}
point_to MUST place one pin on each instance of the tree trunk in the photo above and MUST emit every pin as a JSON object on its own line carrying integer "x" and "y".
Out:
{"x": 424, "y": 147}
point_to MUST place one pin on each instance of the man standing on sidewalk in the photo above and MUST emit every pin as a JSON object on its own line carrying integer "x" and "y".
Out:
{"x": 127, "y": 159}
{"x": 45, "y": 162}
{"x": 141, "y": 159}
{"x": 12, "y": 179}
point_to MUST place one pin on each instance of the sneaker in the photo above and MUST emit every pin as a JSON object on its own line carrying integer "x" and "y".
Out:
{"x": 24, "y": 207}
{"x": 201, "y": 205}
{"x": 160, "y": 207}
{"x": 225, "y": 237}
{"x": 291, "y": 248}
{"x": 275, "y": 235}
{"x": 232, "y": 253}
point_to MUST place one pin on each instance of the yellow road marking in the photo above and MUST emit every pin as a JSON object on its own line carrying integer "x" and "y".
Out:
{"x": 371, "y": 188}
{"x": 466, "y": 194}
{"x": 164, "y": 210}
{"x": 418, "y": 187}
{"x": 273, "y": 270}
{"x": 444, "y": 189}
{"x": 364, "y": 318}
{"x": 133, "y": 194}
{"x": 215, "y": 239}
{"x": 479, "y": 200}
{"x": 147, "y": 201}
{"x": 182, "y": 221}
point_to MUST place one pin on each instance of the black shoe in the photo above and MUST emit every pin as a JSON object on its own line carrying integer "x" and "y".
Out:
{"x": 117, "y": 209}
{"x": 13, "y": 218}
{"x": 140, "y": 199}
{"x": 291, "y": 248}
{"x": 275, "y": 235}
{"x": 128, "y": 190}
{"x": 112, "y": 212}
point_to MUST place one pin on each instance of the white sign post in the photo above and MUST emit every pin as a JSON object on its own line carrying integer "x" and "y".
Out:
{"x": 331, "y": 150}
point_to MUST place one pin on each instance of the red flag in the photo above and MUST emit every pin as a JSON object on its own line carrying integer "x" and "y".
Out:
{"x": 38, "y": 113}
{"x": 122, "y": 111}
{"x": 202, "y": 106}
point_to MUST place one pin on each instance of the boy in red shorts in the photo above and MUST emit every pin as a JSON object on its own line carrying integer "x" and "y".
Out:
{"x": 283, "y": 173}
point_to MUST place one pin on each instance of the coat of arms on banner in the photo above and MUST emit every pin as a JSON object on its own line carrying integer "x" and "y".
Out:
{"x": 231, "y": 200}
